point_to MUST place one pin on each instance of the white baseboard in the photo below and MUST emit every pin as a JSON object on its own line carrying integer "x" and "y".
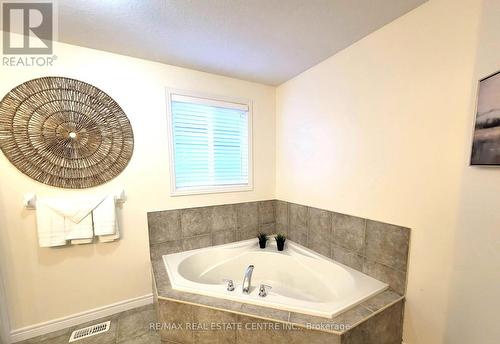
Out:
{"x": 78, "y": 318}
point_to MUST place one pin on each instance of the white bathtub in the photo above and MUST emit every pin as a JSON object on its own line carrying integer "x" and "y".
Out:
{"x": 302, "y": 281}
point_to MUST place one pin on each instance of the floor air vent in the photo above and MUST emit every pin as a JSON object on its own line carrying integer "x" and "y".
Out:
{"x": 89, "y": 331}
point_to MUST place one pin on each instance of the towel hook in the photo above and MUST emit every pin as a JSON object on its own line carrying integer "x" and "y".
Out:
{"x": 30, "y": 201}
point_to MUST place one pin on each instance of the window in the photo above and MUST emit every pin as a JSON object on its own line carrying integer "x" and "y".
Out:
{"x": 210, "y": 144}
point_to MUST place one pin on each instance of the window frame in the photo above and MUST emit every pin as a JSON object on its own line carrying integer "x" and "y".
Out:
{"x": 174, "y": 191}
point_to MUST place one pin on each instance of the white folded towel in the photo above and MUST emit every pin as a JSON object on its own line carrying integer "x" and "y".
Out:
{"x": 77, "y": 214}
{"x": 50, "y": 226}
{"x": 77, "y": 220}
{"x": 106, "y": 221}
{"x": 59, "y": 220}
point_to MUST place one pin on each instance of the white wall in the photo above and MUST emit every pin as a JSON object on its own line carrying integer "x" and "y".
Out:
{"x": 474, "y": 298}
{"x": 383, "y": 130}
{"x": 4, "y": 315}
{"x": 48, "y": 283}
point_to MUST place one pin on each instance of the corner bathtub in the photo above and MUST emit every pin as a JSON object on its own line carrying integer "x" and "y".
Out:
{"x": 302, "y": 281}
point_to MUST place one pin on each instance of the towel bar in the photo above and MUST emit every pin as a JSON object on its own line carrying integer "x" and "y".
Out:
{"x": 30, "y": 199}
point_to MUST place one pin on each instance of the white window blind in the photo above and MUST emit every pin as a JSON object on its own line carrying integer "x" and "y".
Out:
{"x": 210, "y": 143}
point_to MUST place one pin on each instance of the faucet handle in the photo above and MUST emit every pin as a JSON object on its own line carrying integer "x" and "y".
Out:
{"x": 230, "y": 284}
{"x": 263, "y": 290}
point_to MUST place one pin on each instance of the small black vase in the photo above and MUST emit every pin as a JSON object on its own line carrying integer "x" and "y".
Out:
{"x": 281, "y": 245}
{"x": 262, "y": 243}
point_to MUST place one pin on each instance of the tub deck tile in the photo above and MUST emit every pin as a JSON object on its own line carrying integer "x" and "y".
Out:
{"x": 265, "y": 312}
{"x": 382, "y": 300}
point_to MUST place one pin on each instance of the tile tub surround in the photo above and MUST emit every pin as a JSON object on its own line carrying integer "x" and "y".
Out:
{"x": 377, "y": 249}
{"x": 186, "y": 323}
{"x": 353, "y": 241}
{"x": 191, "y": 228}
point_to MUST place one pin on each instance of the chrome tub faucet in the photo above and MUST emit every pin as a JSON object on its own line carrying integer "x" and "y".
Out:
{"x": 247, "y": 280}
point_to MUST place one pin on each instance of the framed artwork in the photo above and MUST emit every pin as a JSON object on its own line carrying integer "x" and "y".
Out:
{"x": 486, "y": 140}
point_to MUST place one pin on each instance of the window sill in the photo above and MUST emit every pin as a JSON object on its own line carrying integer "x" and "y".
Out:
{"x": 210, "y": 190}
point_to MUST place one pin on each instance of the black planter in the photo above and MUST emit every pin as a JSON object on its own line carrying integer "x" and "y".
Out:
{"x": 281, "y": 245}
{"x": 262, "y": 244}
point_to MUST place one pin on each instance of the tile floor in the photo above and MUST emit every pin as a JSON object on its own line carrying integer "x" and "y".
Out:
{"x": 130, "y": 327}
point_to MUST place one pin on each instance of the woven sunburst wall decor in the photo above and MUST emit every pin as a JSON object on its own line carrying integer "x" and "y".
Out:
{"x": 65, "y": 133}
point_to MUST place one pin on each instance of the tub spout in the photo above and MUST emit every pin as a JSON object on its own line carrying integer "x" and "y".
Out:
{"x": 247, "y": 280}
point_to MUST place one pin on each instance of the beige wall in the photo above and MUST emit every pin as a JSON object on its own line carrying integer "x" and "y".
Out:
{"x": 47, "y": 283}
{"x": 383, "y": 130}
{"x": 474, "y": 298}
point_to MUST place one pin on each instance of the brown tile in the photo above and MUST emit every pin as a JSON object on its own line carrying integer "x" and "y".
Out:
{"x": 136, "y": 310}
{"x": 248, "y": 233}
{"x": 168, "y": 247}
{"x": 353, "y": 316}
{"x": 267, "y": 212}
{"x": 224, "y": 335}
{"x": 247, "y": 216}
{"x": 346, "y": 257}
{"x": 339, "y": 323}
{"x": 164, "y": 226}
{"x": 297, "y": 231}
{"x": 223, "y": 218}
{"x": 319, "y": 236}
{"x": 160, "y": 275}
{"x": 151, "y": 337}
{"x": 268, "y": 228}
{"x": 178, "y": 314}
{"x": 208, "y": 301}
{"x": 206, "y": 316}
{"x": 136, "y": 323}
{"x": 196, "y": 242}
{"x": 301, "y": 336}
{"x": 282, "y": 216}
{"x": 195, "y": 221}
{"x": 317, "y": 323}
{"x": 385, "y": 328}
{"x": 387, "y": 244}
{"x": 395, "y": 278}
{"x": 254, "y": 330}
{"x": 214, "y": 326}
{"x": 381, "y": 300}
{"x": 349, "y": 232}
{"x": 223, "y": 237}
{"x": 264, "y": 312}
{"x": 267, "y": 332}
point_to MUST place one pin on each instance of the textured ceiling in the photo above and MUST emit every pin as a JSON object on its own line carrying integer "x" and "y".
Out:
{"x": 268, "y": 41}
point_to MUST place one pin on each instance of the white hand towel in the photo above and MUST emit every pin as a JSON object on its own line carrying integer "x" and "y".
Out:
{"x": 77, "y": 220}
{"x": 111, "y": 237}
{"x": 74, "y": 209}
{"x": 105, "y": 220}
{"x": 82, "y": 230}
{"x": 50, "y": 226}
{"x": 77, "y": 215}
